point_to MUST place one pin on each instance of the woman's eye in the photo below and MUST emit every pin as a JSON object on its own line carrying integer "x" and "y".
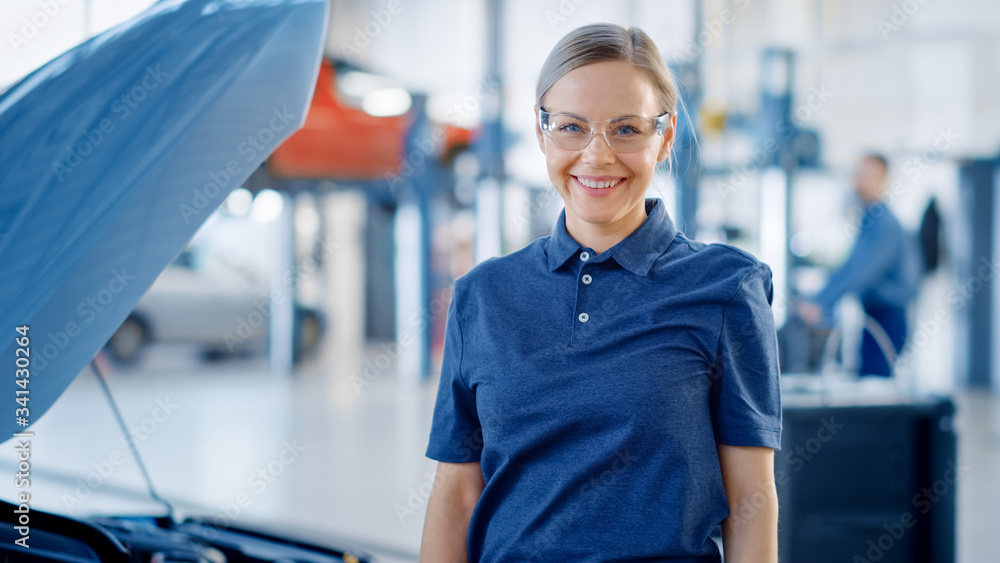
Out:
{"x": 569, "y": 128}
{"x": 627, "y": 131}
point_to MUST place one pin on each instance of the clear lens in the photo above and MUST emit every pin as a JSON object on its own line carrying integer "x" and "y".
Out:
{"x": 624, "y": 134}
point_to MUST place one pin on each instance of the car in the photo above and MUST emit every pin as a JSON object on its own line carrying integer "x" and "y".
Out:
{"x": 222, "y": 309}
{"x": 114, "y": 154}
{"x": 151, "y": 539}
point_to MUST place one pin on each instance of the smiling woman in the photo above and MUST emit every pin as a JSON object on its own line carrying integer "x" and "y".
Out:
{"x": 623, "y": 378}
{"x": 602, "y": 185}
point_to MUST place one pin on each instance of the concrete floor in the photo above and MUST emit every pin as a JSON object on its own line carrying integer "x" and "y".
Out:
{"x": 354, "y": 466}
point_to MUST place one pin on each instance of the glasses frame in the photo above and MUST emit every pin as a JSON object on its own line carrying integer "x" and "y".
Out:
{"x": 544, "y": 114}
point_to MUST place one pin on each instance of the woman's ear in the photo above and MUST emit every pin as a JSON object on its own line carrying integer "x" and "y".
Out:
{"x": 538, "y": 130}
{"x": 668, "y": 139}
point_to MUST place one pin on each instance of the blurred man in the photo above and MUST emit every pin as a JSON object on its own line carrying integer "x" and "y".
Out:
{"x": 883, "y": 269}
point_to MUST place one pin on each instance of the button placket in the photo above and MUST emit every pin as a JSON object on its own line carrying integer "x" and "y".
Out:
{"x": 584, "y": 256}
{"x": 582, "y": 300}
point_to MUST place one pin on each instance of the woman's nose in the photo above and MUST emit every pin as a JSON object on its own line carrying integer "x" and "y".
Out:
{"x": 598, "y": 151}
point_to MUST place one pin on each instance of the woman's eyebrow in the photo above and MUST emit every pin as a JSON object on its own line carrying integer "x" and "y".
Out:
{"x": 571, "y": 114}
{"x": 582, "y": 118}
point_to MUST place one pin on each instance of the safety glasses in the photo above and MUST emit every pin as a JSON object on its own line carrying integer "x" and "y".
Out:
{"x": 623, "y": 134}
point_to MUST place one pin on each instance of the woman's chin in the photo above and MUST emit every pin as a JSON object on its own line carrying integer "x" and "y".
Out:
{"x": 596, "y": 213}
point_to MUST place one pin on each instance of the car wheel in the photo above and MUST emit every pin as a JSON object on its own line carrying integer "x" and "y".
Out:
{"x": 125, "y": 344}
{"x": 309, "y": 333}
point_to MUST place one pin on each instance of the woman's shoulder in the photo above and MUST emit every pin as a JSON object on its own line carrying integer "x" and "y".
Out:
{"x": 497, "y": 270}
{"x": 716, "y": 257}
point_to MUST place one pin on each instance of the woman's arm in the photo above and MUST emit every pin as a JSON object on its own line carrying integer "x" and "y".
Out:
{"x": 750, "y": 534}
{"x": 456, "y": 491}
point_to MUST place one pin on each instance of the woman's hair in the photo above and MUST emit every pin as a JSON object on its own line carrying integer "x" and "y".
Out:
{"x": 602, "y": 42}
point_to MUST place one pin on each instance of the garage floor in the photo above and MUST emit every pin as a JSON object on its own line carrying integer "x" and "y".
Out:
{"x": 314, "y": 454}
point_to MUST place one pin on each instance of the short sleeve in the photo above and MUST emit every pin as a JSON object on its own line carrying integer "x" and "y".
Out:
{"x": 456, "y": 435}
{"x": 745, "y": 396}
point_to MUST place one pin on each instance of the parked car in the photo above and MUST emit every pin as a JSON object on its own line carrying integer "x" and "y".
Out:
{"x": 224, "y": 310}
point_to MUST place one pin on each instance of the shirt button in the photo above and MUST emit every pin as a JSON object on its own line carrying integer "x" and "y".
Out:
{"x": 587, "y": 279}
{"x": 584, "y": 317}
{"x": 584, "y": 256}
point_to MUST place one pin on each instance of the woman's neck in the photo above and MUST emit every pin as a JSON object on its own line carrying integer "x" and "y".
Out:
{"x": 602, "y": 237}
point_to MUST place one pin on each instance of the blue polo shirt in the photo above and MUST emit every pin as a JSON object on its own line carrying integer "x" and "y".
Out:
{"x": 593, "y": 389}
{"x": 883, "y": 267}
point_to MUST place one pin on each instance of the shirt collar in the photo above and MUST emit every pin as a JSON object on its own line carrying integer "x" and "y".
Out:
{"x": 636, "y": 252}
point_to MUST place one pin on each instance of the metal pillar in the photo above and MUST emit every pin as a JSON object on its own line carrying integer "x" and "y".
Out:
{"x": 978, "y": 180}
{"x": 490, "y": 146}
{"x": 686, "y": 154}
{"x": 776, "y": 138}
{"x": 413, "y": 247}
{"x": 281, "y": 334}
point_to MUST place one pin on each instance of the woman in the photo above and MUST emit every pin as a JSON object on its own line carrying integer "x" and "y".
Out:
{"x": 609, "y": 392}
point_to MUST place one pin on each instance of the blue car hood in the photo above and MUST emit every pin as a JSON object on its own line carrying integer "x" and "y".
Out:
{"x": 113, "y": 154}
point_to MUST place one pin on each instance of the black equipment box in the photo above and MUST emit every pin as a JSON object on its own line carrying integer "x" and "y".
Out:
{"x": 867, "y": 472}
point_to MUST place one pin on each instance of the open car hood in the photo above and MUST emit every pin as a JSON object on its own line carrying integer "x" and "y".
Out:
{"x": 113, "y": 154}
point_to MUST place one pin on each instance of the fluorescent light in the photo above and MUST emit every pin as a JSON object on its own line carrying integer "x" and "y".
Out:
{"x": 239, "y": 201}
{"x": 802, "y": 244}
{"x": 267, "y": 206}
{"x": 359, "y": 84}
{"x": 386, "y": 102}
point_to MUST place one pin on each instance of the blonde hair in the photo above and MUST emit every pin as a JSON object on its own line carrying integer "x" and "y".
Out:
{"x": 602, "y": 42}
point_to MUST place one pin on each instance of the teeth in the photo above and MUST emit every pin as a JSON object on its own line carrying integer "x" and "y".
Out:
{"x": 598, "y": 185}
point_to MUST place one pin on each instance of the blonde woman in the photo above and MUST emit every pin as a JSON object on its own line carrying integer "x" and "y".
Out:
{"x": 609, "y": 392}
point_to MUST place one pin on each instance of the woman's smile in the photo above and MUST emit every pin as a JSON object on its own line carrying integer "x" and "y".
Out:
{"x": 597, "y": 186}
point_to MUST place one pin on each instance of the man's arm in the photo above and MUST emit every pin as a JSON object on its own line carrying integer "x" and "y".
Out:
{"x": 750, "y": 534}
{"x": 456, "y": 490}
{"x": 877, "y": 244}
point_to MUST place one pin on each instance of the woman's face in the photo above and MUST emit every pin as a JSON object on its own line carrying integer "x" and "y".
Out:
{"x": 601, "y": 91}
